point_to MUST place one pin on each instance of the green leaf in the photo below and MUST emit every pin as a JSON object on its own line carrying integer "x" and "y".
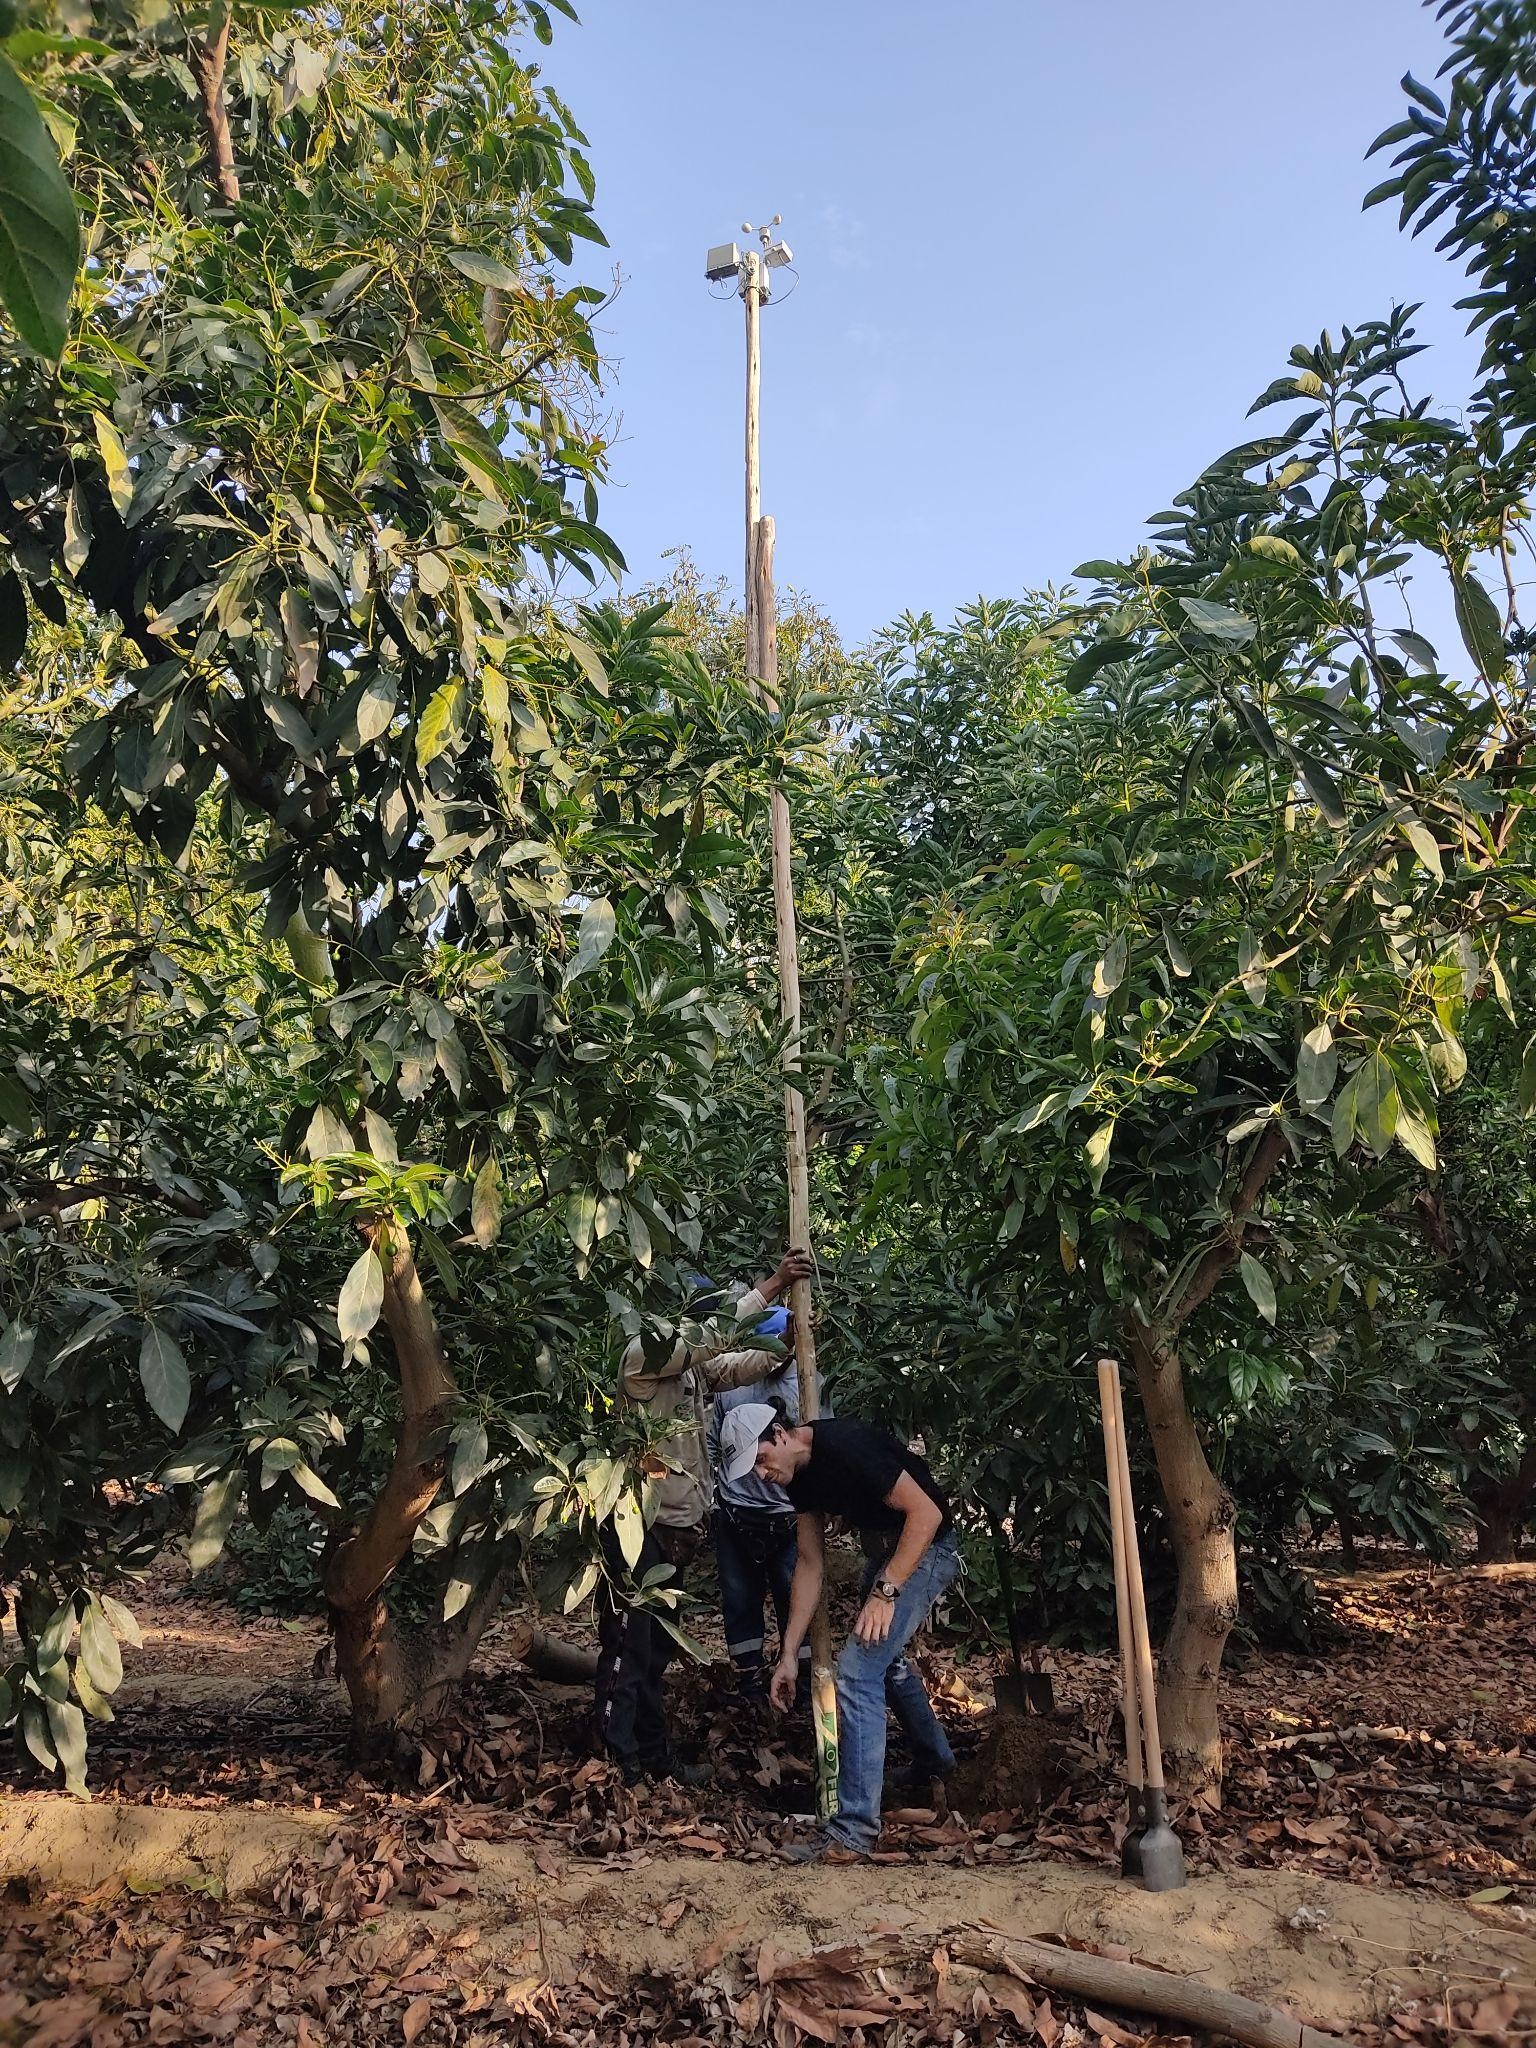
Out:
{"x": 1448, "y": 1056}
{"x": 77, "y": 531}
{"x": 485, "y": 1204}
{"x": 1273, "y": 547}
{"x": 381, "y": 1138}
{"x": 1317, "y": 1067}
{"x": 594, "y": 936}
{"x": 638, "y": 1231}
{"x": 115, "y": 456}
{"x": 15, "y": 1105}
{"x": 1417, "y": 649}
{"x": 1528, "y": 1079}
{"x": 1424, "y": 844}
{"x": 163, "y": 1370}
{"x": 581, "y": 1218}
{"x": 279, "y": 1455}
{"x": 1100, "y": 655}
{"x": 1415, "y": 1136}
{"x": 487, "y": 270}
{"x": 95, "y": 1703}
{"x": 1481, "y": 627}
{"x": 1096, "y": 1152}
{"x": 375, "y": 709}
{"x": 308, "y": 1480}
{"x": 1322, "y": 788}
{"x": 1218, "y": 622}
{"x": 302, "y": 639}
{"x": 629, "y": 1527}
{"x": 1489, "y": 1896}
{"x": 291, "y": 726}
{"x": 1250, "y": 968}
{"x": 1376, "y": 1103}
{"x": 471, "y": 1454}
{"x": 327, "y": 1136}
{"x": 39, "y": 229}
{"x": 437, "y": 722}
{"x": 16, "y": 1342}
{"x": 1261, "y": 1288}
{"x": 99, "y": 1653}
{"x": 124, "y": 1627}
{"x": 361, "y": 1301}
{"x": 66, "y": 1724}
{"x": 1110, "y": 970}
{"x": 580, "y": 1587}
{"x": 216, "y": 1509}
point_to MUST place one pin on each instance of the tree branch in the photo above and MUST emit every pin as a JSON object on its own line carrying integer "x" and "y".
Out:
{"x": 50, "y": 1197}
{"x": 208, "y": 61}
{"x": 1137, "y": 1988}
{"x": 1214, "y": 1262}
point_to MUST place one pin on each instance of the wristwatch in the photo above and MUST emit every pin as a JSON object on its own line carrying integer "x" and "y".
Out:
{"x": 885, "y": 1589}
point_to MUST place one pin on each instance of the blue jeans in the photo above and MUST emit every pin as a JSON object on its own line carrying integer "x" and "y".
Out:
{"x": 870, "y": 1676}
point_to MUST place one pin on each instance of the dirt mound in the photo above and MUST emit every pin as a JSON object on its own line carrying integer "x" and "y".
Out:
{"x": 1018, "y": 1767}
{"x": 467, "y": 1927}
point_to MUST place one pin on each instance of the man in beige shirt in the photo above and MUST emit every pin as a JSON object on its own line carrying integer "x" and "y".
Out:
{"x": 635, "y": 1648}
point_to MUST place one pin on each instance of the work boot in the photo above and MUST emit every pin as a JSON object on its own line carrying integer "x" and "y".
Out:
{"x": 673, "y": 1767}
{"x": 821, "y": 1849}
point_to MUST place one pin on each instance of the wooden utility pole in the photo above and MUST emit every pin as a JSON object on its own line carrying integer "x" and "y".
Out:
{"x": 763, "y": 669}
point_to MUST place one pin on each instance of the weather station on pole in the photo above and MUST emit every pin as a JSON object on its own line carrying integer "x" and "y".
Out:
{"x": 752, "y": 270}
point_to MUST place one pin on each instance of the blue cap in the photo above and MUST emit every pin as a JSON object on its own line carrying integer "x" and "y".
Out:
{"x": 773, "y": 1323}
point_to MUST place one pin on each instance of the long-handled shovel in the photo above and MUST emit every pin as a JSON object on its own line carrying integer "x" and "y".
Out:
{"x": 1114, "y": 1432}
{"x": 1161, "y": 1854}
{"x": 1024, "y": 1692}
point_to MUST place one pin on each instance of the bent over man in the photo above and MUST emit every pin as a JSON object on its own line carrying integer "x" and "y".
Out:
{"x": 842, "y": 1467}
{"x": 634, "y": 1649}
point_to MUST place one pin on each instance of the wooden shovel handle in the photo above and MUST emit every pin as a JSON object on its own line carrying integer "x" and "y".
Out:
{"x": 1141, "y": 1640}
{"x": 1109, "y": 1387}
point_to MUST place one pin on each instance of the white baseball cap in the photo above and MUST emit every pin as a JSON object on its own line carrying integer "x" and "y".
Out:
{"x": 741, "y": 1432}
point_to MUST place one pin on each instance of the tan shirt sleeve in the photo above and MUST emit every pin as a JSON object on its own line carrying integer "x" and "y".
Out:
{"x": 722, "y": 1370}
{"x": 717, "y": 1367}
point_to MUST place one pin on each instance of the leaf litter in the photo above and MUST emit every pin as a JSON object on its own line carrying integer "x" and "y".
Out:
{"x": 1403, "y": 1758}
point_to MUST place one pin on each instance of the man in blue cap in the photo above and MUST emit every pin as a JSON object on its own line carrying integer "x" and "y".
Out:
{"x": 754, "y": 1526}
{"x": 634, "y": 1649}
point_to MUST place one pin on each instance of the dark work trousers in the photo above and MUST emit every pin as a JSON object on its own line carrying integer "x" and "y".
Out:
{"x": 634, "y": 1652}
{"x": 755, "y": 1557}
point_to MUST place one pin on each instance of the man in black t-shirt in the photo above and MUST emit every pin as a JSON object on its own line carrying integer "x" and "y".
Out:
{"x": 842, "y": 1467}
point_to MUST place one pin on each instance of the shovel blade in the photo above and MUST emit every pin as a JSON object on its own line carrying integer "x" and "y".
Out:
{"x": 1025, "y": 1692}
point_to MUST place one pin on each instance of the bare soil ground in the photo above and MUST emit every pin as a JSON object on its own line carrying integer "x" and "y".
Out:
{"x": 1373, "y": 1869}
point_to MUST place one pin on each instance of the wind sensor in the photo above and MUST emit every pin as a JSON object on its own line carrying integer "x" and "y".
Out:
{"x": 726, "y": 259}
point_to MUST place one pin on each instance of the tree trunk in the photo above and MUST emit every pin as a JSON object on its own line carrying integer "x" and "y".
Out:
{"x": 1500, "y": 1508}
{"x": 398, "y": 1677}
{"x": 383, "y": 1668}
{"x": 1201, "y": 1515}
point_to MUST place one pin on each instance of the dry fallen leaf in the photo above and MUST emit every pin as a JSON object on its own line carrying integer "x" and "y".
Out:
{"x": 713, "y": 1953}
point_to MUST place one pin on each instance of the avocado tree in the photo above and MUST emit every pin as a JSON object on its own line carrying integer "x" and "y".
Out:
{"x": 286, "y": 519}
{"x": 1240, "y": 913}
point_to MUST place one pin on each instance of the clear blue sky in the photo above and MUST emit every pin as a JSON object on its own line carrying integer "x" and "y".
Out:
{"x": 1049, "y": 251}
